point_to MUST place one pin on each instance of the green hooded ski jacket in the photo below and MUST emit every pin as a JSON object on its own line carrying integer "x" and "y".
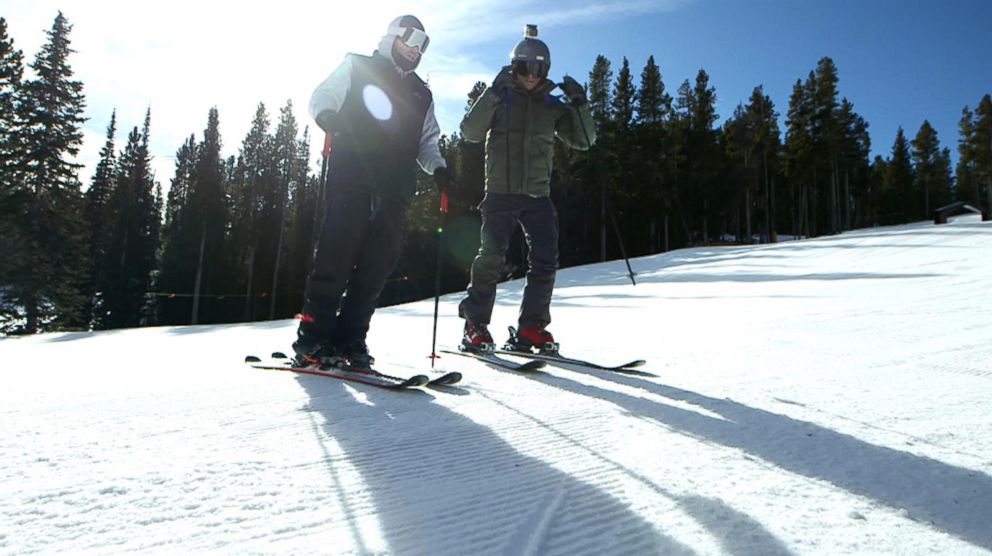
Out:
{"x": 534, "y": 119}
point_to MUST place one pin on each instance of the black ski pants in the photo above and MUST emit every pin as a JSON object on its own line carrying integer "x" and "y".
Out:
{"x": 357, "y": 250}
{"x": 501, "y": 213}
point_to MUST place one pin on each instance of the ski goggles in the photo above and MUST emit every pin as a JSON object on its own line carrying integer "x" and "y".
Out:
{"x": 525, "y": 68}
{"x": 413, "y": 38}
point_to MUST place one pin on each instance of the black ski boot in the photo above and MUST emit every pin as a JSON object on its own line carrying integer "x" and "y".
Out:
{"x": 356, "y": 354}
{"x": 314, "y": 351}
{"x": 529, "y": 338}
{"x": 477, "y": 339}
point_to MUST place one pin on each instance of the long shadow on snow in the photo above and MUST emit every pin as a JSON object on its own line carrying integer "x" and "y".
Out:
{"x": 737, "y": 532}
{"x": 441, "y": 483}
{"x": 954, "y": 499}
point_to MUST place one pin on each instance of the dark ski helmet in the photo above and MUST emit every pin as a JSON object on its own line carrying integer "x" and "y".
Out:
{"x": 531, "y": 56}
{"x": 410, "y": 30}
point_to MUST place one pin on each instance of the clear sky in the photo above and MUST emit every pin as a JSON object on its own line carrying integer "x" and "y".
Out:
{"x": 899, "y": 61}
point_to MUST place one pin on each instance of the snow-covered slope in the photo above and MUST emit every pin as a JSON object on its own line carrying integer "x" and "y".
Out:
{"x": 829, "y": 396}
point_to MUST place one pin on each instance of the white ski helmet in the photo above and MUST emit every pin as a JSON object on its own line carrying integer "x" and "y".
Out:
{"x": 410, "y": 30}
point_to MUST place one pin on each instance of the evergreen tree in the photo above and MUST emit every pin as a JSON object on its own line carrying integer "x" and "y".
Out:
{"x": 181, "y": 183}
{"x": 653, "y": 172}
{"x": 11, "y": 73}
{"x": 752, "y": 142}
{"x": 854, "y": 150}
{"x": 623, "y": 99}
{"x": 600, "y": 99}
{"x": 194, "y": 262}
{"x": 966, "y": 180}
{"x": 897, "y": 184}
{"x": 826, "y": 133}
{"x": 739, "y": 141}
{"x": 622, "y": 157}
{"x": 99, "y": 219}
{"x": 208, "y": 212}
{"x": 288, "y": 172}
{"x": 681, "y": 126}
{"x": 798, "y": 156}
{"x": 932, "y": 184}
{"x": 253, "y": 176}
{"x": 653, "y": 103}
{"x": 876, "y": 190}
{"x": 945, "y": 179}
{"x": 768, "y": 146}
{"x": 305, "y": 209}
{"x": 696, "y": 114}
{"x": 50, "y": 114}
{"x": 981, "y": 149}
{"x": 596, "y": 179}
{"x": 134, "y": 212}
{"x": 13, "y": 197}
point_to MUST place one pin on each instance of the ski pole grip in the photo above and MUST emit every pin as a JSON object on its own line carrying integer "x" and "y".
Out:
{"x": 328, "y": 138}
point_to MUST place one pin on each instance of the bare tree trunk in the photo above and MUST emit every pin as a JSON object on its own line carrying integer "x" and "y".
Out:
{"x": 769, "y": 214}
{"x": 602, "y": 222}
{"x": 251, "y": 279}
{"x": 666, "y": 232}
{"x": 987, "y": 214}
{"x": 275, "y": 271}
{"x": 706, "y": 221}
{"x": 194, "y": 318}
{"x": 654, "y": 235}
{"x": 747, "y": 212}
{"x": 847, "y": 198}
{"x": 833, "y": 200}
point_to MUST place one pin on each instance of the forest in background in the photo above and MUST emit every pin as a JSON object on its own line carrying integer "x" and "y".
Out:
{"x": 232, "y": 239}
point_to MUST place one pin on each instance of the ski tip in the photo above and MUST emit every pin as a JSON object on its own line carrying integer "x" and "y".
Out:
{"x": 416, "y": 380}
{"x": 279, "y": 355}
{"x": 534, "y": 365}
{"x": 252, "y": 359}
{"x": 445, "y": 380}
{"x": 637, "y": 363}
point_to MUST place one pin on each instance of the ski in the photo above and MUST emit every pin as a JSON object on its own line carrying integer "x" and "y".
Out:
{"x": 500, "y": 362}
{"x": 370, "y": 379}
{"x": 446, "y": 379}
{"x": 629, "y": 366}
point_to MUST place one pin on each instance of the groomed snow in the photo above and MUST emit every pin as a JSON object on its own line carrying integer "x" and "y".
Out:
{"x": 828, "y": 396}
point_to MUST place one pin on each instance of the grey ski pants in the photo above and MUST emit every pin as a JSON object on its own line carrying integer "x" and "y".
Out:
{"x": 501, "y": 213}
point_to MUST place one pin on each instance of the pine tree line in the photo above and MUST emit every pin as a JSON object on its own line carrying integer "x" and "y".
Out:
{"x": 233, "y": 238}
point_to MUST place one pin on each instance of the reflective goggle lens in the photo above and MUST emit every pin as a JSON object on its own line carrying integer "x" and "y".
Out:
{"x": 536, "y": 69}
{"x": 415, "y": 38}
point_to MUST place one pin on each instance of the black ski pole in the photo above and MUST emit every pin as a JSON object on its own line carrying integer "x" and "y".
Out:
{"x": 321, "y": 191}
{"x": 437, "y": 270}
{"x": 609, "y": 210}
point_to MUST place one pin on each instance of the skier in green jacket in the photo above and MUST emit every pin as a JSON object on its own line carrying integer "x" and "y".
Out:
{"x": 519, "y": 118}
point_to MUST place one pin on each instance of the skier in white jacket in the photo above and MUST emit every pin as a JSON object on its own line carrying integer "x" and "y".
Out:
{"x": 380, "y": 115}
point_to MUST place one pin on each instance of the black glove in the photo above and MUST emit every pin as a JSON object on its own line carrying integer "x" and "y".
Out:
{"x": 328, "y": 120}
{"x": 504, "y": 80}
{"x": 443, "y": 179}
{"x": 573, "y": 91}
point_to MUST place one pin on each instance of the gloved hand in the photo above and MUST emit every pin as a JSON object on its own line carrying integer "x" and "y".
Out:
{"x": 443, "y": 179}
{"x": 504, "y": 80}
{"x": 573, "y": 91}
{"x": 328, "y": 121}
